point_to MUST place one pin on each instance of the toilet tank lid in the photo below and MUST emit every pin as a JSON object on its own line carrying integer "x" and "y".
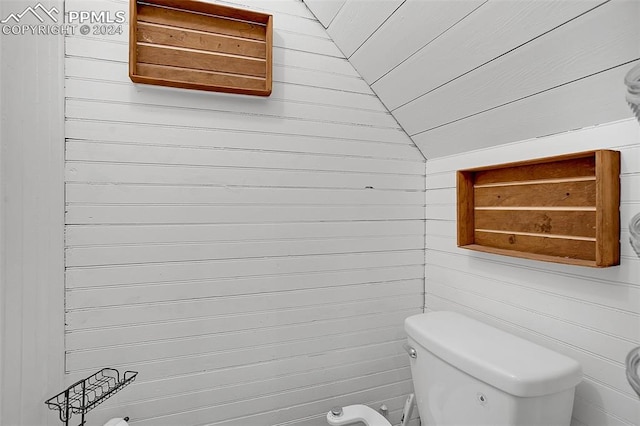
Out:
{"x": 507, "y": 362}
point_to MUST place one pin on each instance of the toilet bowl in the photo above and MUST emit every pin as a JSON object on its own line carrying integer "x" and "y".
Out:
{"x": 117, "y": 422}
{"x": 356, "y": 413}
{"x": 466, "y": 372}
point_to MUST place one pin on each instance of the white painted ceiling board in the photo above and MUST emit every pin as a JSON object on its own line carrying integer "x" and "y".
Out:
{"x": 88, "y": 151}
{"x": 291, "y": 75}
{"x": 490, "y": 31}
{"x": 415, "y": 24}
{"x": 596, "y": 100}
{"x": 162, "y": 116}
{"x": 584, "y": 46}
{"x": 325, "y": 10}
{"x": 115, "y": 132}
{"x": 184, "y": 175}
{"x": 313, "y": 61}
{"x": 79, "y": 192}
{"x": 462, "y": 75}
{"x": 357, "y": 20}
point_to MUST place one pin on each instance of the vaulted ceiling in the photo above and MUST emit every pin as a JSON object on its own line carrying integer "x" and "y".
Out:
{"x": 460, "y": 75}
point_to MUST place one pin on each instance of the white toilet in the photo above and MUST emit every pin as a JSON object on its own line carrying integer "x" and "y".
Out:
{"x": 466, "y": 372}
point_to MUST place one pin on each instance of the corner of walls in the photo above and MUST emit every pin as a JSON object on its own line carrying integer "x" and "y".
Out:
{"x": 32, "y": 222}
{"x": 325, "y": 11}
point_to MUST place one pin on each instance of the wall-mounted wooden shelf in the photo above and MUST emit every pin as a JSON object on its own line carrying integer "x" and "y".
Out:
{"x": 197, "y": 45}
{"x": 562, "y": 209}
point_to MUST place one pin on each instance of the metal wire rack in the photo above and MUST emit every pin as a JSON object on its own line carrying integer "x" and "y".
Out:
{"x": 86, "y": 394}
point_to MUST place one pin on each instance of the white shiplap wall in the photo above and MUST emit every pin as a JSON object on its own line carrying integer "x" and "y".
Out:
{"x": 252, "y": 258}
{"x": 589, "y": 314}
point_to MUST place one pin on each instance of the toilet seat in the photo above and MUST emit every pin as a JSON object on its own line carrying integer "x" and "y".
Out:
{"x": 357, "y": 413}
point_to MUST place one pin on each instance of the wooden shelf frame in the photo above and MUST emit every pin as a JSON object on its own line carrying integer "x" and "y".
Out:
{"x": 563, "y": 209}
{"x": 204, "y": 46}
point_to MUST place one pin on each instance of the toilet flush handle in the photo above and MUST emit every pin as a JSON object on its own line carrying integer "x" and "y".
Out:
{"x": 412, "y": 352}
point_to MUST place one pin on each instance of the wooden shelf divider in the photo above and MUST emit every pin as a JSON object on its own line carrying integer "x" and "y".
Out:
{"x": 562, "y": 209}
{"x": 203, "y": 46}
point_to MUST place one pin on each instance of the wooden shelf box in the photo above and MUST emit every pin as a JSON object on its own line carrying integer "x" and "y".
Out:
{"x": 562, "y": 209}
{"x": 197, "y": 45}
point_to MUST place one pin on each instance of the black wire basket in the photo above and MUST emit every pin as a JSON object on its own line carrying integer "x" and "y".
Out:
{"x": 86, "y": 394}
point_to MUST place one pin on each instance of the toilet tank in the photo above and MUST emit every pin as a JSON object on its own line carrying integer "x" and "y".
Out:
{"x": 469, "y": 373}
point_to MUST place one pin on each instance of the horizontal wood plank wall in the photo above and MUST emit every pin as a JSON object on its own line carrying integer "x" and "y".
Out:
{"x": 253, "y": 259}
{"x": 591, "y": 315}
